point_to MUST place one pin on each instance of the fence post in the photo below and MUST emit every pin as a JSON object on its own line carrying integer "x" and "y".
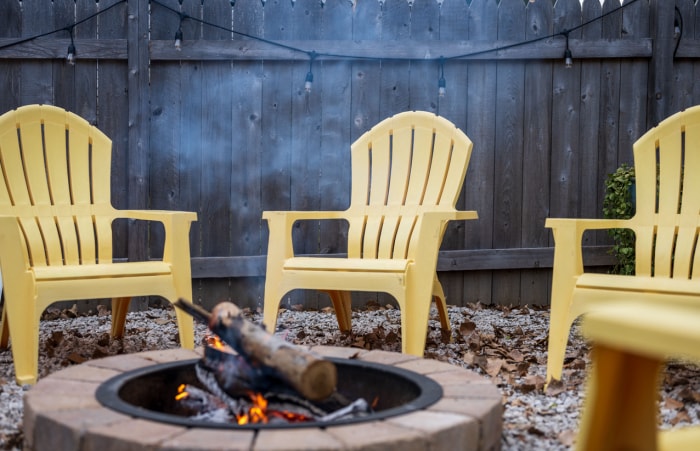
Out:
{"x": 661, "y": 64}
{"x": 138, "y": 137}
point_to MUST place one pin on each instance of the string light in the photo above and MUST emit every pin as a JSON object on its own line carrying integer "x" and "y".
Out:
{"x": 568, "y": 58}
{"x": 442, "y": 84}
{"x": 310, "y": 75}
{"x": 178, "y": 39}
{"x": 70, "y": 55}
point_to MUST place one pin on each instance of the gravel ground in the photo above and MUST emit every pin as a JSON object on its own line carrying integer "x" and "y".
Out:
{"x": 507, "y": 345}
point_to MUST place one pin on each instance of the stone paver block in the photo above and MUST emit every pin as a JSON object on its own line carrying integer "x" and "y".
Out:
{"x": 387, "y": 357}
{"x": 444, "y": 430}
{"x": 341, "y": 353}
{"x": 376, "y": 435}
{"x": 129, "y": 435}
{"x": 85, "y": 373}
{"x": 426, "y": 366}
{"x": 460, "y": 376}
{"x": 296, "y": 439}
{"x": 203, "y": 439}
{"x": 171, "y": 355}
{"x": 123, "y": 363}
{"x": 489, "y": 413}
{"x": 63, "y": 429}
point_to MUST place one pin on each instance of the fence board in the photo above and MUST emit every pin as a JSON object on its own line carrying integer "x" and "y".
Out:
{"x": 246, "y": 164}
{"x": 36, "y": 76}
{"x": 534, "y": 286}
{"x": 508, "y": 175}
{"x": 10, "y": 75}
{"x": 481, "y": 128}
{"x": 453, "y": 106}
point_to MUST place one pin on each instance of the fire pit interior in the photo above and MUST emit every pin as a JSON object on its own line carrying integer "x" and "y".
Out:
{"x": 150, "y": 393}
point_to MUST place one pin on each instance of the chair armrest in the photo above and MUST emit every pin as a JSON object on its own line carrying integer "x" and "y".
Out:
{"x": 177, "y": 229}
{"x": 280, "y": 225}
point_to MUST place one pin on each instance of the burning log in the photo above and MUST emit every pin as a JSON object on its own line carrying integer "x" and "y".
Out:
{"x": 311, "y": 376}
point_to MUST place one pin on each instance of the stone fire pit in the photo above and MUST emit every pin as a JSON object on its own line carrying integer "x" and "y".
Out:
{"x": 61, "y": 412}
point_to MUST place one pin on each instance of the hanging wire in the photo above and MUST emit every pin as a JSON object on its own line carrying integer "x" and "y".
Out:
{"x": 41, "y": 35}
{"x": 310, "y": 75}
{"x": 677, "y": 28}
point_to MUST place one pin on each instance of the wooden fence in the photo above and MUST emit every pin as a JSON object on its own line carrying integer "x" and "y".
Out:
{"x": 225, "y": 127}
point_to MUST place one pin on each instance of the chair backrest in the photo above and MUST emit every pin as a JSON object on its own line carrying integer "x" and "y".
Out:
{"x": 56, "y": 182}
{"x": 668, "y": 211}
{"x": 407, "y": 164}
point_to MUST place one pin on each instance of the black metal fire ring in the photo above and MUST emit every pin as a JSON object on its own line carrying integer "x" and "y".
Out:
{"x": 108, "y": 394}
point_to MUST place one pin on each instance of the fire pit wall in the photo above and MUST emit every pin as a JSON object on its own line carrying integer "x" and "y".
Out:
{"x": 62, "y": 412}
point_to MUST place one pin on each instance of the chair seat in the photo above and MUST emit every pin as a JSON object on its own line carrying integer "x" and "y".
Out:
{"x": 347, "y": 264}
{"x": 642, "y": 284}
{"x": 44, "y": 273}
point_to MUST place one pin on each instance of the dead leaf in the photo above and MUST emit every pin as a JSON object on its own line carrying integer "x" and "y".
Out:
{"x": 673, "y": 404}
{"x": 493, "y": 367}
{"x": 567, "y": 437}
{"x": 74, "y": 357}
{"x": 555, "y": 387}
{"x": 516, "y": 356}
{"x": 681, "y": 417}
{"x": 467, "y": 327}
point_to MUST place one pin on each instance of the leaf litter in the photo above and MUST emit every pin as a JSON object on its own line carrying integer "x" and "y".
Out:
{"x": 505, "y": 344}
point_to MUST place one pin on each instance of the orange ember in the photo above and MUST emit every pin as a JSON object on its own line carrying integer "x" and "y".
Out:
{"x": 181, "y": 393}
{"x": 258, "y": 412}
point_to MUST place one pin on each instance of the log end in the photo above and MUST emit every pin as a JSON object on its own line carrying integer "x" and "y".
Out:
{"x": 319, "y": 380}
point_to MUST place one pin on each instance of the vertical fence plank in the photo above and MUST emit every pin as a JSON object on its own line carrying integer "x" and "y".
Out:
{"x": 277, "y": 122}
{"x": 508, "y": 174}
{"x": 85, "y": 70}
{"x": 10, "y": 76}
{"x": 682, "y": 95}
{"x": 633, "y": 74}
{"x": 423, "y": 75}
{"x": 610, "y": 95}
{"x": 64, "y": 74}
{"x": 395, "y": 97}
{"x": 216, "y": 149}
{"x": 453, "y": 106}
{"x": 336, "y": 98}
{"x": 36, "y": 75}
{"x": 112, "y": 113}
{"x": 590, "y": 104}
{"x": 536, "y": 141}
{"x": 246, "y": 164}
{"x": 482, "y": 129}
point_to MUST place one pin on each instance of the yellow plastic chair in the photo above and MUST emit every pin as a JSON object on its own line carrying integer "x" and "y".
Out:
{"x": 407, "y": 173}
{"x": 56, "y": 236}
{"x": 667, "y": 261}
{"x": 631, "y": 342}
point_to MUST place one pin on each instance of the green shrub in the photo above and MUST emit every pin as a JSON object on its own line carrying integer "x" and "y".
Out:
{"x": 619, "y": 204}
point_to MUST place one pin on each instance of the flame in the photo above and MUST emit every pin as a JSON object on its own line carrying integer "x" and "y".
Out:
{"x": 215, "y": 342}
{"x": 181, "y": 393}
{"x": 257, "y": 412}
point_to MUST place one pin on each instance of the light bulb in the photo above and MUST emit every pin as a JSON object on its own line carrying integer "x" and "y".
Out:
{"x": 442, "y": 85}
{"x": 70, "y": 56}
{"x": 568, "y": 59}
{"x": 309, "y": 81}
{"x": 178, "y": 39}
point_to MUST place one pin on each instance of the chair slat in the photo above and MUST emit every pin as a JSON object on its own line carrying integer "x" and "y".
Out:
{"x": 401, "y": 151}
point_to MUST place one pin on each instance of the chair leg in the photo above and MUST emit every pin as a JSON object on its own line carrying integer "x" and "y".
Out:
{"x": 4, "y": 330}
{"x": 415, "y": 311}
{"x": 441, "y": 304}
{"x": 559, "y": 328}
{"x": 342, "y": 303}
{"x": 24, "y": 332}
{"x": 620, "y": 410}
{"x": 185, "y": 327}
{"x": 120, "y": 307}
